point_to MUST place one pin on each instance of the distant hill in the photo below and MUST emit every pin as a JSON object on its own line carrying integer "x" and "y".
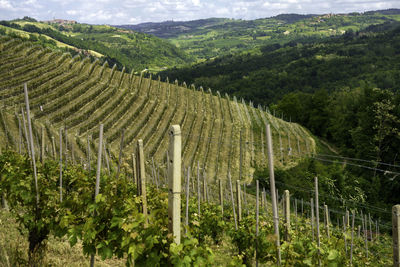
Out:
{"x": 169, "y": 29}
{"x": 126, "y": 48}
{"x": 355, "y": 58}
{"x": 210, "y": 38}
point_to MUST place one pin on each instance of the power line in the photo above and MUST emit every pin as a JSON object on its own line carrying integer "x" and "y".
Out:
{"x": 363, "y": 160}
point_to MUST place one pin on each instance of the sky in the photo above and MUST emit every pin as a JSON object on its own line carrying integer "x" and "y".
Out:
{"x": 139, "y": 11}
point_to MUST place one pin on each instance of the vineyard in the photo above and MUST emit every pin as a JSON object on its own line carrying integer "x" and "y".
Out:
{"x": 219, "y": 133}
{"x": 227, "y": 217}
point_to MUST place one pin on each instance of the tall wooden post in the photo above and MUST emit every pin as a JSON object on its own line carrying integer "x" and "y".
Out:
{"x": 198, "y": 189}
{"x": 53, "y": 144}
{"x": 287, "y": 214}
{"x": 20, "y": 134}
{"x": 88, "y": 152}
{"x": 365, "y": 235}
{"x": 98, "y": 172}
{"x": 221, "y": 197}
{"x": 26, "y": 133}
{"x": 98, "y": 169}
{"x": 141, "y": 185}
{"x": 28, "y": 117}
{"x": 232, "y": 200}
{"x": 60, "y": 159}
{"x": 257, "y": 211}
{"x": 326, "y": 220}
{"x": 174, "y": 199}
{"x": 187, "y": 198}
{"x": 239, "y": 203}
{"x": 42, "y": 146}
{"x": 121, "y": 146}
{"x": 396, "y": 235}
{"x": 352, "y": 238}
{"x": 312, "y": 218}
{"x": 317, "y": 218}
{"x": 273, "y": 196}
{"x": 134, "y": 173}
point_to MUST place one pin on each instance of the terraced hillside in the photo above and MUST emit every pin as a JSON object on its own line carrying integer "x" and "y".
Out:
{"x": 77, "y": 95}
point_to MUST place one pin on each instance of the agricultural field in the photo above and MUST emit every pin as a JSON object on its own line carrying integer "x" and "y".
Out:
{"x": 77, "y": 95}
{"x": 129, "y": 49}
{"x": 224, "y": 140}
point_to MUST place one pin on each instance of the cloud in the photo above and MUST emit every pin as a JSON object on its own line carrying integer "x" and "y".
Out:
{"x": 6, "y": 5}
{"x": 137, "y": 11}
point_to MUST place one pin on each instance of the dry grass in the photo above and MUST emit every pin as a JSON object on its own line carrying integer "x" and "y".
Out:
{"x": 14, "y": 248}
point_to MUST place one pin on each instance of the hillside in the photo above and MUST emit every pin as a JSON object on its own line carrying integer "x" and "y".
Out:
{"x": 129, "y": 49}
{"x": 343, "y": 89}
{"x": 78, "y": 95}
{"x": 205, "y": 39}
{"x": 368, "y": 57}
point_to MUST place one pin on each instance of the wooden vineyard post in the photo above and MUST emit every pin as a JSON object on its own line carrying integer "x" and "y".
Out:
{"x": 26, "y": 133}
{"x": 28, "y": 117}
{"x": 198, "y": 189}
{"x": 155, "y": 172}
{"x": 273, "y": 196}
{"x": 98, "y": 169}
{"x": 98, "y": 172}
{"x": 370, "y": 226}
{"x": 265, "y": 200}
{"x": 204, "y": 185}
{"x": 257, "y": 211}
{"x": 262, "y": 143}
{"x": 344, "y": 236}
{"x": 174, "y": 199}
{"x": 73, "y": 153}
{"x": 187, "y": 198}
{"x": 232, "y": 200}
{"x": 61, "y": 181}
{"x": 66, "y": 145}
{"x": 280, "y": 147}
{"x": 317, "y": 218}
{"x": 20, "y": 134}
{"x": 88, "y": 152}
{"x": 53, "y": 144}
{"x": 221, "y": 197}
{"x": 106, "y": 157}
{"x": 326, "y": 220}
{"x": 134, "y": 174}
{"x": 312, "y": 218}
{"x": 141, "y": 184}
{"x": 120, "y": 154}
{"x": 365, "y": 235}
{"x": 352, "y": 238}
{"x": 347, "y": 219}
{"x": 287, "y": 214}
{"x": 239, "y": 203}
{"x": 42, "y": 145}
{"x": 396, "y": 235}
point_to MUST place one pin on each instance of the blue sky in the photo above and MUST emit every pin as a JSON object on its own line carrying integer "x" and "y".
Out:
{"x": 138, "y": 11}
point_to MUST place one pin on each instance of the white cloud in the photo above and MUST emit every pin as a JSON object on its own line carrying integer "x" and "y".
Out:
{"x": 137, "y": 11}
{"x": 6, "y": 5}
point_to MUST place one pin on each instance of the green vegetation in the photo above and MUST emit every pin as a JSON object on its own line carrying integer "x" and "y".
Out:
{"x": 112, "y": 225}
{"x": 209, "y": 38}
{"x": 220, "y": 134}
{"x": 122, "y": 47}
{"x": 344, "y": 89}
